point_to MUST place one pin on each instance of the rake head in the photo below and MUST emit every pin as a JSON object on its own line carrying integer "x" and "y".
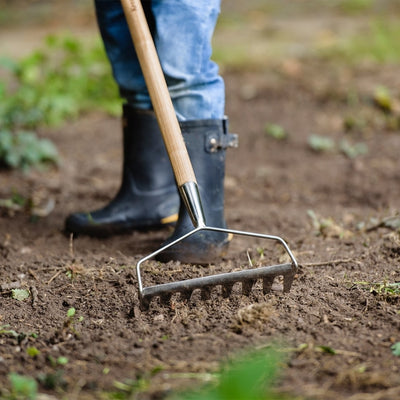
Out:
{"x": 226, "y": 281}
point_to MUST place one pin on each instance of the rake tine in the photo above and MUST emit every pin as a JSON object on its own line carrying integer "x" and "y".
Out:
{"x": 287, "y": 282}
{"x": 206, "y": 293}
{"x": 185, "y": 295}
{"x": 226, "y": 290}
{"x": 267, "y": 284}
{"x": 165, "y": 298}
{"x": 247, "y": 286}
{"x": 145, "y": 302}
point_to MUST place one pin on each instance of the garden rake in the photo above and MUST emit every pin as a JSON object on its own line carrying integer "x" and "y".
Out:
{"x": 187, "y": 185}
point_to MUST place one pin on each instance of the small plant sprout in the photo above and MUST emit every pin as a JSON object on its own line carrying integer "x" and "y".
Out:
{"x": 327, "y": 227}
{"x": 20, "y": 294}
{"x": 353, "y": 150}
{"x": 276, "y": 131}
{"x": 386, "y": 290}
{"x": 132, "y": 387}
{"x": 71, "y": 312}
{"x": 71, "y": 320}
{"x": 73, "y": 270}
{"x": 62, "y": 360}
{"x": 32, "y": 352}
{"x": 383, "y": 99}
{"x": 321, "y": 144}
{"x": 5, "y": 331}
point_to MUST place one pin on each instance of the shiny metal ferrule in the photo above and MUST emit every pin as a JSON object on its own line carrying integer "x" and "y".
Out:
{"x": 190, "y": 195}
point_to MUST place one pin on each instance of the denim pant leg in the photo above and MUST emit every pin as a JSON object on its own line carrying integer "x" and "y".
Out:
{"x": 182, "y": 31}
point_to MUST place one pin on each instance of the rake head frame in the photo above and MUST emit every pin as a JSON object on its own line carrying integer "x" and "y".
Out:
{"x": 226, "y": 280}
{"x": 190, "y": 196}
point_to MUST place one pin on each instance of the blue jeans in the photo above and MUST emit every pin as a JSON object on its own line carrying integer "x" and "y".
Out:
{"x": 182, "y": 32}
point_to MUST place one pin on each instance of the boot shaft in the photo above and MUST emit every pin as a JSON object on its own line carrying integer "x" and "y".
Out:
{"x": 146, "y": 161}
{"x": 206, "y": 142}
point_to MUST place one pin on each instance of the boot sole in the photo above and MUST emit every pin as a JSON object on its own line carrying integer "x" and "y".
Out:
{"x": 105, "y": 231}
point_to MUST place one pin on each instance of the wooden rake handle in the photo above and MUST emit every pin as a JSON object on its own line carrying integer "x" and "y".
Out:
{"x": 158, "y": 90}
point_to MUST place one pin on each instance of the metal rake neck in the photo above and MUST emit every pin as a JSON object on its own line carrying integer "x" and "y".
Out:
{"x": 190, "y": 195}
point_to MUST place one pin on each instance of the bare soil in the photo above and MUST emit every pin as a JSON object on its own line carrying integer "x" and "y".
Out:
{"x": 337, "y": 332}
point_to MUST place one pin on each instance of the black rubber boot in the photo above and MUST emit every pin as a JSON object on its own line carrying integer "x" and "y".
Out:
{"x": 147, "y": 198}
{"x": 206, "y": 142}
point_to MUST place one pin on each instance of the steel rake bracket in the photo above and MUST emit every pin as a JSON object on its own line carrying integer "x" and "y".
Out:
{"x": 247, "y": 277}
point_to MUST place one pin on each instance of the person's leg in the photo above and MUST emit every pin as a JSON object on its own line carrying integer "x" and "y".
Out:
{"x": 147, "y": 197}
{"x": 118, "y": 43}
{"x": 182, "y": 31}
{"x": 182, "y": 34}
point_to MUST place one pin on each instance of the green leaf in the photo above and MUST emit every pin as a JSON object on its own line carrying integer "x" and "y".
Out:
{"x": 396, "y": 349}
{"x": 71, "y": 312}
{"x": 327, "y": 349}
{"x": 32, "y": 351}
{"x": 24, "y": 149}
{"x": 62, "y": 360}
{"x": 321, "y": 143}
{"x": 6, "y": 140}
{"x": 20, "y": 294}
{"x": 4, "y": 331}
{"x": 52, "y": 84}
{"x": 8, "y": 63}
{"x": 353, "y": 150}
{"x": 248, "y": 377}
{"x": 383, "y": 98}
{"x": 276, "y": 131}
{"x": 23, "y": 387}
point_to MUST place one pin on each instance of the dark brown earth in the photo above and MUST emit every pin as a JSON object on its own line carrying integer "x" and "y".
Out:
{"x": 351, "y": 243}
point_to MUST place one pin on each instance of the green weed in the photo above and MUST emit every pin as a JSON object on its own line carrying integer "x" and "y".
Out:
{"x": 248, "y": 377}
{"x": 22, "y": 387}
{"x": 383, "y": 98}
{"x": 353, "y": 150}
{"x": 20, "y": 294}
{"x": 375, "y": 112}
{"x": 14, "y": 203}
{"x": 320, "y": 143}
{"x": 23, "y": 149}
{"x": 130, "y": 387}
{"x": 378, "y": 45}
{"x": 32, "y": 351}
{"x": 48, "y": 87}
{"x": 387, "y": 291}
{"x": 276, "y": 131}
{"x": 325, "y": 144}
{"x": 396, "y": 349}
{"x": 6, "y": 331}
{"x": 71, "y": 322}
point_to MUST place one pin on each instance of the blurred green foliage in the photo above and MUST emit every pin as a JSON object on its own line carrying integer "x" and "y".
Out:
{"x": 46, "y": 88}
{"x": 379, "y": 44}
{"x": 251, "y": 376}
